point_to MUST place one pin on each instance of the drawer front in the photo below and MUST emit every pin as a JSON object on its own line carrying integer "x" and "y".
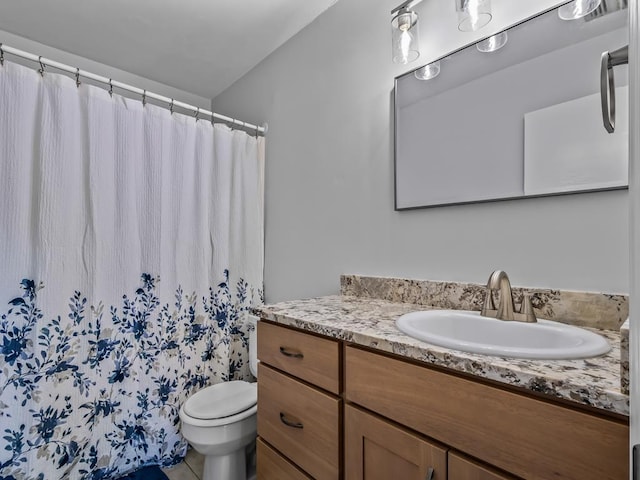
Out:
{"x": 313, "y": 359}
{"x": 462, "y": 468}
{"x": 302, "y": 422}
{"x": 530, "y": 438}
{"x": 273, "y": 466}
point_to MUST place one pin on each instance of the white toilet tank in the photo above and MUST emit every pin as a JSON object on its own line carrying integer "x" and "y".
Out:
{"x": 253, "y": 344}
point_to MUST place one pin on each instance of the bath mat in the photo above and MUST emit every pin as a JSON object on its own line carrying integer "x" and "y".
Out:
{"x": 146, "y": 473}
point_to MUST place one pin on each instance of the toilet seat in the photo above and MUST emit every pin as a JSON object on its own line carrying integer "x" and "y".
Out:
{"x": 221, "y": 404}
{"x": 221, "y": 400}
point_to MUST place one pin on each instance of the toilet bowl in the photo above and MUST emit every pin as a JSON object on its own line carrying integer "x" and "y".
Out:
{"x": 219, "y": 422}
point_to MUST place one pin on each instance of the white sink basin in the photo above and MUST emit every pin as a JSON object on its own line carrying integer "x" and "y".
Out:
{"x": 470, "y": 332}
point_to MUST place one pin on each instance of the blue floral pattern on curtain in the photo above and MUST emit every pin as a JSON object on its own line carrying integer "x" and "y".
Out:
{"x": 130, "y": 368}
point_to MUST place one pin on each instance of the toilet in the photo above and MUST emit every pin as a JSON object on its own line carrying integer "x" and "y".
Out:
{"x": 219, "y": 422}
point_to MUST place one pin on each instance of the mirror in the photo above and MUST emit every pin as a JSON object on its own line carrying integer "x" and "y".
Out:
{"x": 522, "y": 121}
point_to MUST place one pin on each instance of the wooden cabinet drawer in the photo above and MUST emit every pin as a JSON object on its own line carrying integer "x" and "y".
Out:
{"x": 302, "y": 422}
{"x": 530, "y": 438}
{"x": 313, "y": 359}
{"x": 462, "y": 468}
{"x": 273, "y": 466}
{"x": 378, "y": 450}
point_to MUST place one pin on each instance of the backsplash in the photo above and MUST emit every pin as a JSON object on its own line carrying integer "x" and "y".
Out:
{"x": 624, "y": 357}
{"x": 588, "y": 309}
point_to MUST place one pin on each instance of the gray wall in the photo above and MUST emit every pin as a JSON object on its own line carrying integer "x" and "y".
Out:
{"x": 89, "y": 65}
{"x": 326, "y": 95}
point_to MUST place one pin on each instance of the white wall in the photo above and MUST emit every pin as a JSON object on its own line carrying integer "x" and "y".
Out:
{"x": 36, "y": 48}
{"x": 327, "y": 96}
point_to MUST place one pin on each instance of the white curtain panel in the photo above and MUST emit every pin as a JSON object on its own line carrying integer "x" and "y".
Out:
{"x": 131, "y": 248}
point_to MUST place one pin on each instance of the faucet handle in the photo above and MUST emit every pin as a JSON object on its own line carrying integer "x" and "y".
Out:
{"x": 488, "y": 303}
{"x": 526, "y": 309}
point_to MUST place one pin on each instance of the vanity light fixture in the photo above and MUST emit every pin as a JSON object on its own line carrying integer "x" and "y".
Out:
{"x": 493, "y": 43}
{"x": 404, "y": 33}
{"x": 473, "y": 14}
{"x": 577, "y": 9}
{"x": 429, "y": 71}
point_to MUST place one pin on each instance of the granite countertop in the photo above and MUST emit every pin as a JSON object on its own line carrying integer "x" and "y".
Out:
{"x": 371, "y": 323}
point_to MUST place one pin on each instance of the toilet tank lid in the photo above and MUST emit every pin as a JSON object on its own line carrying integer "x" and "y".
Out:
{"x": 222, "y": 400}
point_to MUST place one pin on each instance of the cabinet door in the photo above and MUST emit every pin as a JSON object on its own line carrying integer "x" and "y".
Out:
{"x": 378, "y": 450}
{"x": 462, "y": 468}
{"x": 273, "y": 466}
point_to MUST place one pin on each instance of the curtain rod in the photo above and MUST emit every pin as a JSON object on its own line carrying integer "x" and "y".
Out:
{"x": 114, "y": 83}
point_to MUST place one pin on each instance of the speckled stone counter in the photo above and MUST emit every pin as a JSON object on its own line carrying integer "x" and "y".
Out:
{"x": 370, "y": 322}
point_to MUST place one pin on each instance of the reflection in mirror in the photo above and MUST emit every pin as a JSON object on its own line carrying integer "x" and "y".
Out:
{"x": 493, "y": 43}
{"x": 515, "y": 115}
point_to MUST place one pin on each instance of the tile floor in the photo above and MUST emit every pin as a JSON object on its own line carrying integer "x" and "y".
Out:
{"x": 190, "y": 469}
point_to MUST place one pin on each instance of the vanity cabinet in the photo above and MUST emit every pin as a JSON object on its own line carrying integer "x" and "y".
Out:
{"x": 527, "y": 436}
{"x": 333, "y": 410}
{"x": 299, "y": 411}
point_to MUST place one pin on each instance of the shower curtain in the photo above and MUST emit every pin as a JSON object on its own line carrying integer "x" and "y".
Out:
{"x": 131, "y": 249}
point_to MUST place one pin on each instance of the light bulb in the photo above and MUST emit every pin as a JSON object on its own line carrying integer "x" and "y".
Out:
{"x": 405, "y": 43}
{"x": 474, "y": 15}
{"x": 404, "y": 22}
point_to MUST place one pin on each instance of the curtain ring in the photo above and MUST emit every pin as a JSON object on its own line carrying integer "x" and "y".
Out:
{"x": 110, "y": 88}
{"x": 77, "y": 77}
{"x": 41, "y": 71}
{"x": 197, "y": 112}
{"x": 1, "y": 56}
{"x": 171, "y": 106}
{"x": 144, "y": 98}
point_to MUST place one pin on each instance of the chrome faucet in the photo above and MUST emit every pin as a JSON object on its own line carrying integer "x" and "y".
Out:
{"x": 506, "y": 311}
